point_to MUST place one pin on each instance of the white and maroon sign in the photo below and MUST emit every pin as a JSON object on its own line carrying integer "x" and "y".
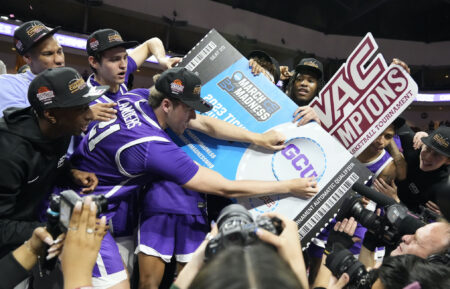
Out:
{"x": 362, "y": 99}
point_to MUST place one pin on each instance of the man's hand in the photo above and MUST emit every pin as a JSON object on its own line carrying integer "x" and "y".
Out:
{"x": 288, "y": 245}
{"x": 304, "y": 187}
{"x": 103, "y": 111}
{"x": 271, "y": 140}
{"x": 85, "y": 179}
{"x": 169, "y": 62}
{"x": 417, "y": 140}
{"x": 285, "y": 73}
{"x": 389, "y": 190}
{"x": 433, "y": 207}
{"x": 402, "y": 64}
{"x": 305, "y": 114}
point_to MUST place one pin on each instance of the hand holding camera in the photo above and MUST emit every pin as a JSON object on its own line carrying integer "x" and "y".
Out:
{"x": 83, "y": 239}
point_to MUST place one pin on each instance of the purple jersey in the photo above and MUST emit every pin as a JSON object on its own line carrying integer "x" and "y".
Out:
{"x": 377, "y": 165}
{"x": 168, "y": 197}
{"x": 131, "y": 151}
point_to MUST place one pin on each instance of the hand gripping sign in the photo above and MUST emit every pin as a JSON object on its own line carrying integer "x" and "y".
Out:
{"x": 359, "y": 103}
{"x": 256, "y": 104}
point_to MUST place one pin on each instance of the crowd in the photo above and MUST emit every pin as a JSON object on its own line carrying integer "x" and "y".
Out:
{"x": 60, "y": 132}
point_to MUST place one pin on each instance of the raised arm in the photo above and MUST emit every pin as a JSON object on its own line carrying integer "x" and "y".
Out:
{"x": 153, "y": 46}
{"x": 220, "y": 129}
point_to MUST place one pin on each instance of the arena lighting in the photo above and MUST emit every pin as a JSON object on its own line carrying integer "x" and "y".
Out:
{"x": 438, "y": 97}
{"x": 65, "y": 40}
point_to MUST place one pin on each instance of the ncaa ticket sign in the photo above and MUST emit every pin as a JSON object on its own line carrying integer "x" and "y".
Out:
{"x": 256, "y": 104}
{"x": 360, "y": 102}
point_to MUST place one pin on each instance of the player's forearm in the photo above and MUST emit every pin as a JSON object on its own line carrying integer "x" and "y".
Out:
{"x": 220, "y": 129}
{"x": 153, "y": 46}
{"x": 399, "y": 161}
{"x": 255, "y": 188}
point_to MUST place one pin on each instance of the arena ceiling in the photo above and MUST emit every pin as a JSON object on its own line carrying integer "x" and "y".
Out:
{"x": 415, "y": 20}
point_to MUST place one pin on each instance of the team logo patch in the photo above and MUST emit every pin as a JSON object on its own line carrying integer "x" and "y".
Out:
{"x": 177, "y": 86}
{"x": 35, "y": 29}
{"x": 18, "y": 44}
{"x": 197, "y": 90}
{"x": 45, "y": 95}
{"x": 93, "y": 44}
{"x": 311, "y": 63}
{"x": 114, "y": 38}
{"x": 76, "y": 84}
{"x": 301, "y": 158}
{"x": 442, "y": 141}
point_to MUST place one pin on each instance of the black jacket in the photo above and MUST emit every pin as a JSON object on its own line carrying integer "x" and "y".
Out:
{"x": 30, "y": 164}
{"x": 419, "y": 186}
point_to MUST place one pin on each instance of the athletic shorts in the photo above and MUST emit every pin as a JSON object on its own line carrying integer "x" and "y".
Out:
{"x": 164, "y": 235}
{"x": 108, "y": 270}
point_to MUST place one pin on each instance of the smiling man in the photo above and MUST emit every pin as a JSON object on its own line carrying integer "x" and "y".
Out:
{"x": 33, "y": 146}
{"x": 428, "y": 168}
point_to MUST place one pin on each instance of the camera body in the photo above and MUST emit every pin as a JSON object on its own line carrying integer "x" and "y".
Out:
{"x": 58, "y": 218}
{"x": 396, "y": 221}
{"x": 237, "y": 227}
{"x": 61, "y": 207}
{"x": 343, "y": 261}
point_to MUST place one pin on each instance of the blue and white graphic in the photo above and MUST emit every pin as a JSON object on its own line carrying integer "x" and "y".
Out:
{"x": 256, "y": 104}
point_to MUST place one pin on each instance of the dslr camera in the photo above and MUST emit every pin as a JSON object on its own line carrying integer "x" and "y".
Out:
{"x": 396, "y": 221}
{"x": 58, "y": 219}
{"x": 237, "y": 227}
{"x": 343, "y": 261}
{"x": 61, "y": 207}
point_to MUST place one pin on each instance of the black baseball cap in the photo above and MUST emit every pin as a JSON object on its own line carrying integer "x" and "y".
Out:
{"x": 263, "y": 55}
{"x": 105, "y": 39}
{"x": 61, "y": 87}
{"x": 30, "y": 33}
{"x": 310, "y": 65}
{"x": 183, "y": 85}
{"x": 439, "y": 140}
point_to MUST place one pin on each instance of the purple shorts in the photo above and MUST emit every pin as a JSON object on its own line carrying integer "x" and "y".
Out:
{"x": 164, "y": 235}
{"x": 108, "y": 269}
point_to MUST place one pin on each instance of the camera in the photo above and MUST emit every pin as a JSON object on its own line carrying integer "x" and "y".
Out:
{"x": 396, "y": 221}
{"x": 58, "y": 218}
{"x": 343, "y": 261}
{"x": 61, "y": 206}
{"x": 237, "y": 227}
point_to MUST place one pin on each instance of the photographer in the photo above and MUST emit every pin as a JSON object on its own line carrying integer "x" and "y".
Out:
{"x": 407, "y": 271}
{"x": 252, "y": 266}
{"x": 81, "y": 246}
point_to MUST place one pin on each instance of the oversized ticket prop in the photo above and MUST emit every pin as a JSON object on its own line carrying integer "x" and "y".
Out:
{"x": 359, "y": 103}
{"x": 256, "y": 104}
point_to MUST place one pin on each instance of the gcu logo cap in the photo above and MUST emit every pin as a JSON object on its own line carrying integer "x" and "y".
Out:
{"x": 439, "y": 140}
{"x": 184, "y": 85}
{"x": 30, "y": 33}
{"x": 61, "y": 87}
{"x": 105, "y": 39}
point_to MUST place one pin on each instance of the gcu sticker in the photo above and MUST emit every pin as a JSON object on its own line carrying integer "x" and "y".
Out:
{"x": 301, "y": 158}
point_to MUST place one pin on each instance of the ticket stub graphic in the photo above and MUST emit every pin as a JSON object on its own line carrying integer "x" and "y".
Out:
{"x": 256, "y": 104}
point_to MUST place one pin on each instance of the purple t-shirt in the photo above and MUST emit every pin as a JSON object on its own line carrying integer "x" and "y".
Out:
{"x": 131, "y": 151}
